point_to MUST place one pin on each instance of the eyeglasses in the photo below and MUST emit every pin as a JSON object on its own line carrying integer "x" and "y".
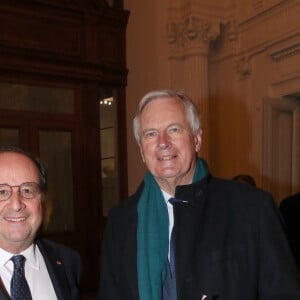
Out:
{"x": 27, "y": 190}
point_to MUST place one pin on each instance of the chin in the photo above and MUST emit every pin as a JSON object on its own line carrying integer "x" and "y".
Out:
{"x": 168, "y": 174}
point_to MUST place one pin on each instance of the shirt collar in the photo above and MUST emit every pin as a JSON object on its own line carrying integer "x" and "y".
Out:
{"x": 30, "y": 254}
{"x": 166, "y": 196}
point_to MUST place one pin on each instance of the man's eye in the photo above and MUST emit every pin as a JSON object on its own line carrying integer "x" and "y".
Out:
{"x": 26, "y": 191}
{"x": 174, "y": 129}
{"x": 150, "y": 134}
{"x": 3, "y": 191}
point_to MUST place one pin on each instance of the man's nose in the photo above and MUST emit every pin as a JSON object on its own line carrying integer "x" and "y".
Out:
{"x": 16, "y": 200}
{"x": 163, "y": 140}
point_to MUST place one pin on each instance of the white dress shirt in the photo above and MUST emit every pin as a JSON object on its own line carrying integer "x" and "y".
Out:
{"x": 36, "y": 273}
{"x": 171, "y": 214}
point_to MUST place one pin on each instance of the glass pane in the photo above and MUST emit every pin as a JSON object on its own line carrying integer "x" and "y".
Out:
{"x": 109, "y": 192}
{"x": 9, "y": 137}
{"x": 56, "y": 153}
{"x": 107, "y": 115}
{"x": 36, "y": 98}
{"x": 107, "y": 142}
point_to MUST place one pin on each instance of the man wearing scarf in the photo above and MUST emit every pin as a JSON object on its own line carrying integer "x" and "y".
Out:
{"x": 227, "y": 238}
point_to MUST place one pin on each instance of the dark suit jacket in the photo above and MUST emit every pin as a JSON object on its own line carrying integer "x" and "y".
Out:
{"x": 64, "y": 267}
{"x": 229, "y": 245}
{"x": 290, "y": 209}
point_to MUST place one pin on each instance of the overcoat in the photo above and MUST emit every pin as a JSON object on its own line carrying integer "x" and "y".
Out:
{"x": 229, "y": 245}
{"x": 290, "y": 210}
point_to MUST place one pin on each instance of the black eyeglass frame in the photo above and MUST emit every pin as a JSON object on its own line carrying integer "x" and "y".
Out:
{"x": 34, "y": 190}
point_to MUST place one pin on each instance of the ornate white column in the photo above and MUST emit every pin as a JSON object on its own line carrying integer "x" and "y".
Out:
{"x": 189, "y": 39}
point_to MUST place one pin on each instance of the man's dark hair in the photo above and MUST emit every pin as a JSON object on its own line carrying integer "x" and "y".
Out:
{"x": 41, "y": 168}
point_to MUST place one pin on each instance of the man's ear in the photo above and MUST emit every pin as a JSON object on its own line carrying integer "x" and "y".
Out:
{"x": 142, "y": 153}
{"x": 198, "y": 140}
{"x": 47, "y": 208}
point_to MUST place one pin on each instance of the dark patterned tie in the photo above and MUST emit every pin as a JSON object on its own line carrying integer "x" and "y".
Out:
{"x": 19, "y": 289}
{"x": 172, "y": 257}
{"x": 169, "y": 288}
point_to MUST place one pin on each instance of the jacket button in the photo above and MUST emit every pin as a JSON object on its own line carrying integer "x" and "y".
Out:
{"x": 200, "y": 193}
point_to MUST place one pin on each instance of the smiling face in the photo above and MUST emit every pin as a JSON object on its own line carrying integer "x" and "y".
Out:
{"x": 20, "y": 218}
{"x": 168, "y": 145}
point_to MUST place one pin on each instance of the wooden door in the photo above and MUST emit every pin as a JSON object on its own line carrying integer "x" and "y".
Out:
{"x": 57, "y": 58}
{"x": 57, "y": 133}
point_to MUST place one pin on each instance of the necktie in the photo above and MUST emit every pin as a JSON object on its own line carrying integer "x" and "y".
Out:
{"x": 169, "y": 288}
{"x": 172, "y": 257}
{"x": 19, "y": 289}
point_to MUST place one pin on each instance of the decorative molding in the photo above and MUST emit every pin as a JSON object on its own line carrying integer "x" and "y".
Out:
{"x": 174, "y": 32}
{"x": 192, "y": 30}
{"x": 243, "y": 66}
{"x": 280, "y": 20}
{"x": 231, "y": 31}
{"x": 286, "y": 86}
{"x": 227, "y": 44}
{"x": 200, "y": 29}
{"x": 285, "y": 53}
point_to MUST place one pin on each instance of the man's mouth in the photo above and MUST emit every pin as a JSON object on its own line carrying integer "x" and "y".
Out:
{"x": 168, "y": 157}
{"x": 16, "y": 220}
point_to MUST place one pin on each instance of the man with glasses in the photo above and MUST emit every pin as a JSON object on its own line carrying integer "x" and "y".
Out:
{"x": 30, "y": 267}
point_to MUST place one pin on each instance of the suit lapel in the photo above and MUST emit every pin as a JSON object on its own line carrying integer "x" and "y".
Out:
{"x": 3, "y": 292}
{"x": 3, "y": 295}
{"x": 56, "y": 270}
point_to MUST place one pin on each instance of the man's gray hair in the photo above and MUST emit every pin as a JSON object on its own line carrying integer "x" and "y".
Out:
{"x": 193, "y": 115}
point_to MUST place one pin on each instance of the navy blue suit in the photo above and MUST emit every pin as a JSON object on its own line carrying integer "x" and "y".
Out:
{"x": 64, "y": 267}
